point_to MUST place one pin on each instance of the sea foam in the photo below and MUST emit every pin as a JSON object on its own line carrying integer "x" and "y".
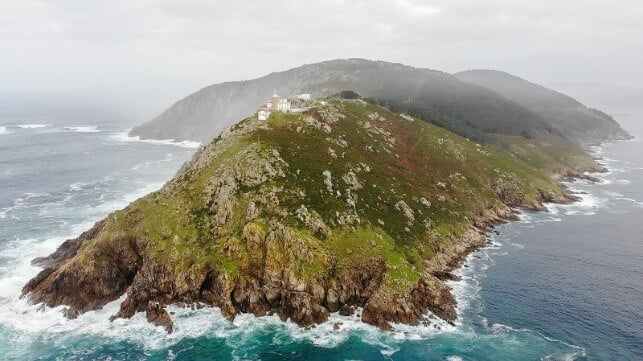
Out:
{"x": 33, "y": 126}
{"x": 86, "y": 129}
{"x": 125, "y": 137}
{"x": 35, "y": 321}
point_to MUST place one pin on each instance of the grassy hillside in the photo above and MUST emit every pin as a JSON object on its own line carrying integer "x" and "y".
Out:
{"x": 350, "y": 205}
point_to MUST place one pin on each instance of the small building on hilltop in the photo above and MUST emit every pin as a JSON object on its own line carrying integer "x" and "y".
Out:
{"x": 299, "y": 104}
{"x": 277, "y": 103}
{"x": 263, "y": 114}
{"x": 274, "y": 103}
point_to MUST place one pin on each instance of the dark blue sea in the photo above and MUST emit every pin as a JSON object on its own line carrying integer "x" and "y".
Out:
{"x": 563, "y": 285}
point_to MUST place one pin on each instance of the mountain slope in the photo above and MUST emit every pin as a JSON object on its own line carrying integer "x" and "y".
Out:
{"x": 562, "y": 112}
{"x": 348, "y": 206}
{"x": 441, "y": 98}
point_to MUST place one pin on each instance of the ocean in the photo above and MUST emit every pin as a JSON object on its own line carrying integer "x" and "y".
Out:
{"x": 562, "y": 285}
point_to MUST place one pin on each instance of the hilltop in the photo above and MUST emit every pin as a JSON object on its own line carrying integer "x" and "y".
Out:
{"x": 347, "y": 207}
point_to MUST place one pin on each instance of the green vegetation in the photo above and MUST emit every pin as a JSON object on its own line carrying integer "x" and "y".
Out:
{"x": 399, "y": 189}
{"x": 349, "y": 94}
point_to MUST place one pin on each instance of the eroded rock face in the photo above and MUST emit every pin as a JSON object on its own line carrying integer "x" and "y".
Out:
{"x": 431, "y": 295}
{"x": 84, "y": 286}
{"x": 159, "y": 316}
{"x": 269, "y": 285}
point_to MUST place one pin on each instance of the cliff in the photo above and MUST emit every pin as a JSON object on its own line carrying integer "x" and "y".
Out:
{"x": 350, "y": 205}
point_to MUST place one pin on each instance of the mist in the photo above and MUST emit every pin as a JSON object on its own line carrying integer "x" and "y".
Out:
{"x": 141, "y": 56}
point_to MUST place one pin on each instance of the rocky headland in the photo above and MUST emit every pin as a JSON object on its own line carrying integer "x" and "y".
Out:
{"x": 347, "y": 206}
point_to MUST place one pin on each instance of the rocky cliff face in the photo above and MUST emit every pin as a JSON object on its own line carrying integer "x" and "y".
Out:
{"x": 347, "y": 206}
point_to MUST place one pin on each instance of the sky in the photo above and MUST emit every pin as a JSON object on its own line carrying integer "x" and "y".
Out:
{"x": 143, "y": 55}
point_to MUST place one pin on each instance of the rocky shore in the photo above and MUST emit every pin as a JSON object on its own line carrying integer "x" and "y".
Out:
{"x": 251, "y": 226}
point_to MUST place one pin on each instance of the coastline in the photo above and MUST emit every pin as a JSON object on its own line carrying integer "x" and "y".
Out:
{"x": 208, "y": 322}
{"x": 454, "y": 256}
{"x": 441, "y": 267}
{"x": 139, "y": 260}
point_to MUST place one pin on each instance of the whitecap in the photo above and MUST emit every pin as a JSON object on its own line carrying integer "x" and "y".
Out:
{"x": 86, "y": 129}
{"x": 389, "y": 351}
{"x": 573, "y": 212}
{"x": 579, "y": 351}
{"x": 525, "y": 217}
{"x": 3, "y": 130}
{"x": 125, "y": 137}
{"x": 33, "y": 321}
{"x": 77, "y": 186}
{"x": 596, "y": 149}
{"x": 168, "y": 158}
{"x": 502, "y": 327}
{"x": 613, "y": 194}
{"x": 33, "y": 126}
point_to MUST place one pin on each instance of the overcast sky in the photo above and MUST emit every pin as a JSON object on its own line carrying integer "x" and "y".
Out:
{"x": 156, "y": 52}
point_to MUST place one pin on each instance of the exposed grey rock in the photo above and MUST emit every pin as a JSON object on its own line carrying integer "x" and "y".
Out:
{"x": 425, "y": 202}
{"x": 351, "y": 179}
{"x": 328, "y": 181}
{"x": 251, "y": 211}
{"x": 312, "y": 220}
{"x": 406, "y": 210}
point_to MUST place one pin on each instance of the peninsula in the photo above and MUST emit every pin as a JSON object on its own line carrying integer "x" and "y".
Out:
{"x": 349, "y": 206}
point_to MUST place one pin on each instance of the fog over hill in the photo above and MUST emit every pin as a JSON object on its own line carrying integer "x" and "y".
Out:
{"x": 566, "y": 114}
{"x": 203, "y": 114}
{"x": 471, "y": 110}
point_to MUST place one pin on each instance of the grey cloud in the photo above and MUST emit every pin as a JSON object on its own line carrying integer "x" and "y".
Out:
{"x": 163, "y": 50}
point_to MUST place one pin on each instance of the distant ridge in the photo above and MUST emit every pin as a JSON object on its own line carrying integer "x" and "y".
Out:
{"x": 473, "y": 104}
{"x": 448, "y": 101}
{"x": 566, "y": 114}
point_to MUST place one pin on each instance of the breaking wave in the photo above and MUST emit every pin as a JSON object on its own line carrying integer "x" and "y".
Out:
{"x": 86, "y": 129}
{"x": 125, "y": 137}
{"x": 33, "y": 126}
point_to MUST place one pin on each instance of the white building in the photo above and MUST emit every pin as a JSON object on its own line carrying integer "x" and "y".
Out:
{"x": 283, "y": 105}
{"x": 263, "y": 114}
{"x": 303, "y": 96}
{"x": 277, "y": 103}
{"x": 274, "y": 103}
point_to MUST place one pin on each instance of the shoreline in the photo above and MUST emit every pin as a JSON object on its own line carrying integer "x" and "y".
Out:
{"x": 476, "y": 237}
{"x": 126, "y": 265}
{"x": 400, "y": 330}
